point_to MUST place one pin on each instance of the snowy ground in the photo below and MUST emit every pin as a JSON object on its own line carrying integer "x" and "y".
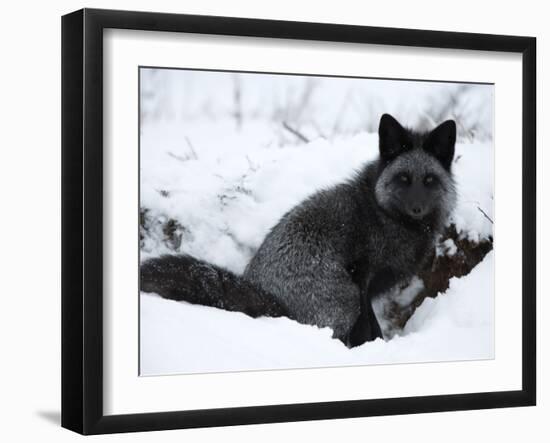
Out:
{"x": 226, "y": 174}
{"x": 182, "y": 338}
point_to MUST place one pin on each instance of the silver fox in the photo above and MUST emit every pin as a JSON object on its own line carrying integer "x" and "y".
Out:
{"x": 326, "y": 259}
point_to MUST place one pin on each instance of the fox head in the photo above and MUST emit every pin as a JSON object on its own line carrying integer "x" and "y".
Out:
{"x": 415, "y": 180}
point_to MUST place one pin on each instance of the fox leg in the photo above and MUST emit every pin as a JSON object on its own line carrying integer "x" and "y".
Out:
{"x": 366, "y": 328}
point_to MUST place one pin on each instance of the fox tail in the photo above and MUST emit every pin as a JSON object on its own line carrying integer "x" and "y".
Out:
{"x": 185, "y": 278}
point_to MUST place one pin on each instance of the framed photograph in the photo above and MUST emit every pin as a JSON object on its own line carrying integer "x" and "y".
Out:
{"x": 269, "y": 221}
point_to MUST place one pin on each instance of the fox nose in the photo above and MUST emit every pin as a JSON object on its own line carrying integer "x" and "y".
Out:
{"x": 417, "y": 211}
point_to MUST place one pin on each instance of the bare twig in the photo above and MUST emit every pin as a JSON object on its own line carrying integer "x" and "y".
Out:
{"x": 193, "y": 152}
{"x": 305, "y": 99}
{"x": 177, "y": 157}
{"x": 486, "y": 216}
{"x": 251, "y": 165}
{"x": 295, "y": 132}
{"x": 343, "y": 106}
{"x": 237, "y": 101}
{"x": 193, "y": 155}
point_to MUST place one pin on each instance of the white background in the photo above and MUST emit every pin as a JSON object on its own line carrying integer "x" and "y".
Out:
{"x": 30, "y": 222}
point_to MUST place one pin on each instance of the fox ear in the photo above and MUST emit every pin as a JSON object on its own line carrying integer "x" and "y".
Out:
{"x": 392, "y": 137}
{"x": 441, "y": 143}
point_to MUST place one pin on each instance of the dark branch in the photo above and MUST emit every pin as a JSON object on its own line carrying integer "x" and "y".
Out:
{"x": 295, "y": 132}
{"x": 486, "y": 216}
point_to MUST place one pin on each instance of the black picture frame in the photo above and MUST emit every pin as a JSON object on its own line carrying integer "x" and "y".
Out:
{"x": 82, "y": 219}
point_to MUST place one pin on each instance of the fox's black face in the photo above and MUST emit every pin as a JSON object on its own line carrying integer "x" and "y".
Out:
{"x": 415, "y": 181}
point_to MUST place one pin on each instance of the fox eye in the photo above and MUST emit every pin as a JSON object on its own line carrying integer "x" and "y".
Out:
{"x": 404, "y": 178}
{"x": 430, "y": 180}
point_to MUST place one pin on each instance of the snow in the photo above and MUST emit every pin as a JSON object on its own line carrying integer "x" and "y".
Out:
{"x": 178, "y": 337}
{"x": 216, "y": 158}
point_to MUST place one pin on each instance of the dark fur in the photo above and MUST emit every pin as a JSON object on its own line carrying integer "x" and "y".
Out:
{"x": 325, "y": 260}
{"x": 184, "y": 278}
